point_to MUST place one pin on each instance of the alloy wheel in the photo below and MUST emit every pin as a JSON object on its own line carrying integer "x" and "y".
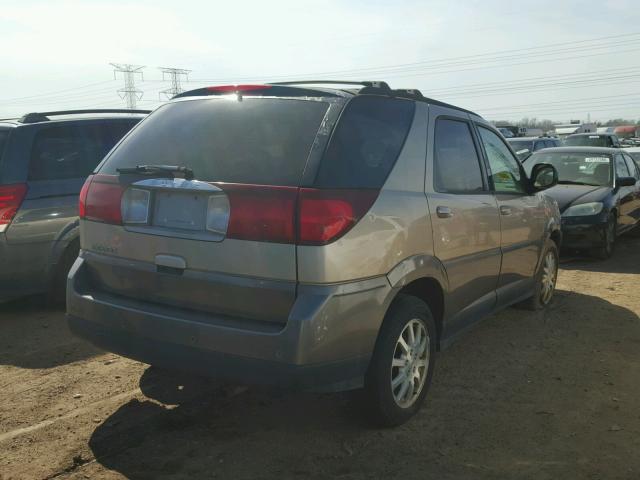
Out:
{"x": 410, "y": 363}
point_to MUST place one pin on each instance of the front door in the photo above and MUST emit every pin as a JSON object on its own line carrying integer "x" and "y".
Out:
{"x": 522, "y": 218}
{"x": 465, "y": 220}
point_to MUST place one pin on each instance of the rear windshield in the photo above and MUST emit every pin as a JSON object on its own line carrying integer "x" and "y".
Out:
{"x": 366, "y": 143}
{"x": 588, "y": 141}
{"x": 257, "y": 140}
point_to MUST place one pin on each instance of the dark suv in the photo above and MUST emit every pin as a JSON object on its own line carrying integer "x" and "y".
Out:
{"x": 44, "y": 160}
{"x": 608, "y": 140}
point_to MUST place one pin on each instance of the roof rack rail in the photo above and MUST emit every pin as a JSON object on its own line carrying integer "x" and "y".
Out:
{"x": 364, "y": 83}
{"x": 36, "y": 117}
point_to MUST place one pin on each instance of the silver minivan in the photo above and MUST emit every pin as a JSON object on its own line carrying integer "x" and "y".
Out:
{"x": 311, "y": 237}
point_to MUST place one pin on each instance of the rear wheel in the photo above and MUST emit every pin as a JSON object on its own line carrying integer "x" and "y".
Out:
{"x": 402, "y": 365}
{"x": 609, "y": 240}
{"x": 546, "y": 279}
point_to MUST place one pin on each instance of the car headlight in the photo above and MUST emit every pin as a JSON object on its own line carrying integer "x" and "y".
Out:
{"x": 583, "y": 210}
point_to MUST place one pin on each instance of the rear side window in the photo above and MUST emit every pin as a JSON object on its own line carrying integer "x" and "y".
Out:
{"x": 263, "y": 141}
{"x": 73, "y": 151}
{"x": 456, "y": 164}
{"x": 365, "y": 143}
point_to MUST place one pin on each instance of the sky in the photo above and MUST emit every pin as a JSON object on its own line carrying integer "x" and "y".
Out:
{"x": 506, "y": 60}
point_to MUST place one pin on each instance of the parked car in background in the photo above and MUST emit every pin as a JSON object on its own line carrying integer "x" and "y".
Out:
{"x": 598, "y": 193}
{"x": 44, "y": 160}
{"x": 608, "y": 140}
{"x": 634, "y": 152}
{"x": 525, "y": 146}
{"x": 285, "y": 234}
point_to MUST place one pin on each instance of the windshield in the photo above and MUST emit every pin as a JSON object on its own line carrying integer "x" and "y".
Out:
{"x": 636, "y": 156}
{"x": 257, "y": 140}
{"x": 523, "y": 148}
{"x": 576, "y": 168}
{"x": 587, "y": 141}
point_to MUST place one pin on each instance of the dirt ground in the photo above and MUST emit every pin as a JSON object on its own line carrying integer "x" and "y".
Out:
{"x": 552, "y": 395}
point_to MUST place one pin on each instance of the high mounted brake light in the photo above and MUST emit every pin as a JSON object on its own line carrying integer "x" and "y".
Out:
{"x": 237, "y": 88}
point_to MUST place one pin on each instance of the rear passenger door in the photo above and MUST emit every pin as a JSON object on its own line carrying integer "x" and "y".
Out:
{"x": 521, "y": 218}
{"x": 465, "y": 220}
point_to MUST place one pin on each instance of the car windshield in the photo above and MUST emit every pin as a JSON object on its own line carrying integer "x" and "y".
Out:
{"x": 576, "y": 168}
{"x": 258, "y": 141}
{"x": 587, "y": 141}
{"x": 636, "y": 156}
{"x": 523, "y": 148}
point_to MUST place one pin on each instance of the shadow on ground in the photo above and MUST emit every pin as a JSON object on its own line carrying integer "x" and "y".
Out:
{"x": 624, "y": 259}
{"x": 525, "y": 395}
{"x": 33, "y": 335}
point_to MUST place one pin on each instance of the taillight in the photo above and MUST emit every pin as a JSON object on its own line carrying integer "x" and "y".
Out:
{"x": 326, "y": 215}
{"x": 260, "y": 212}
{"x": 11, "y": 197}
{"x": 100, "y": 199}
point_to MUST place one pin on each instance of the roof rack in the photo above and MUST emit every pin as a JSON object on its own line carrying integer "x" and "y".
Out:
{"x": 36, "y": 117}
{"x": 368, "y": 87}
{"x": 364, "y": 83}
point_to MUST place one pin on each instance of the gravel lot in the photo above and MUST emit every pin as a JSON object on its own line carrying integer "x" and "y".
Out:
{"x": 552, "y": 395}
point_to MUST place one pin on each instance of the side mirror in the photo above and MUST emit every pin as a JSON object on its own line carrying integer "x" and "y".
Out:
{"x": 543, "y": 176}
{"x": 626, "y": 181}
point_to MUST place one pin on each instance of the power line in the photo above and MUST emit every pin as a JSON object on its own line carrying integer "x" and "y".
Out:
{"x": 175, "y": 75}
{"x": 129, "y": 92}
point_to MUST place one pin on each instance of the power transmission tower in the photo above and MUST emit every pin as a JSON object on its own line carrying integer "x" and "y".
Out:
{"x": 129, "y": 92}
{"x": 175, "y": 75}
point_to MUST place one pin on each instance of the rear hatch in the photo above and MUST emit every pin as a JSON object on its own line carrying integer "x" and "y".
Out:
{"x": 218, "y": 236}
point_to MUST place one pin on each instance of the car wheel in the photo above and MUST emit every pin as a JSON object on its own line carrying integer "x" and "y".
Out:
{"x": 609, "y": 240}
{"x": 546, "y": 279}
{"x": 402, "y": 365}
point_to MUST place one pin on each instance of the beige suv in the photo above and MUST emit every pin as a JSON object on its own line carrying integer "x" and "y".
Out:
{"x": 313, "y": 237}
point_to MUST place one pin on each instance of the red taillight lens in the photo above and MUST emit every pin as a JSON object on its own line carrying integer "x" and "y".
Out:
{"x": 100, "y": 199}
{"x": 82, "y": 201}
{"x": 260, "y": 212}
{"x": 326, "y": 215}
{"x": 11, "y": 197}
{"x": 237, "y": 88}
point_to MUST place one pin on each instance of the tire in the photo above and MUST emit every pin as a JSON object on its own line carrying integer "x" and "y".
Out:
{"x": 609, "y": 241}
{"x": 58, "y": 289}
{"x": 384, "y": 403}
{"x": 546, "y": 279}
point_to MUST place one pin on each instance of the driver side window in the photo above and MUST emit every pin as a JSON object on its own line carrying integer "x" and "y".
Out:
{"x": 506, "y": 175}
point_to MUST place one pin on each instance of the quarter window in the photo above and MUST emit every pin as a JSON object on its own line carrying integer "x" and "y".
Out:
{"x": 505, "y": 174}
{"x": 456, "y": 163}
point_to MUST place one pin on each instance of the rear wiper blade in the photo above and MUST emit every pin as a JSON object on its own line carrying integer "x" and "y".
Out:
{"x": 571, "y": 182}
{"x": 186, "y": 172}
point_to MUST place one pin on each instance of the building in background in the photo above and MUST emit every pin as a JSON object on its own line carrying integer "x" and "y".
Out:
{"x": 575, "y": 127}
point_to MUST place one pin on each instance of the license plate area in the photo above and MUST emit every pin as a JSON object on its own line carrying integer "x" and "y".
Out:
{"x": 180, "y": 210}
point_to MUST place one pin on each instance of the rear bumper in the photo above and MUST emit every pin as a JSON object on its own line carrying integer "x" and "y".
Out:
{"x": 325, "y": 344}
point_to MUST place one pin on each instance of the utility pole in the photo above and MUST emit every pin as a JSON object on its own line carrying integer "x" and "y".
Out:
{"x": 175, "y": 75}
{"x": 129, "y": 92}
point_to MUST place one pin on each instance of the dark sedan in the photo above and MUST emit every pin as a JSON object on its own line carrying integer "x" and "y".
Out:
{"x": 598, "y": 193}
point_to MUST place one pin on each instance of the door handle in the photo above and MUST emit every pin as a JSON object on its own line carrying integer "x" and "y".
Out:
{"x": 444, "y": 212}
{"x": 505, "y": 210}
